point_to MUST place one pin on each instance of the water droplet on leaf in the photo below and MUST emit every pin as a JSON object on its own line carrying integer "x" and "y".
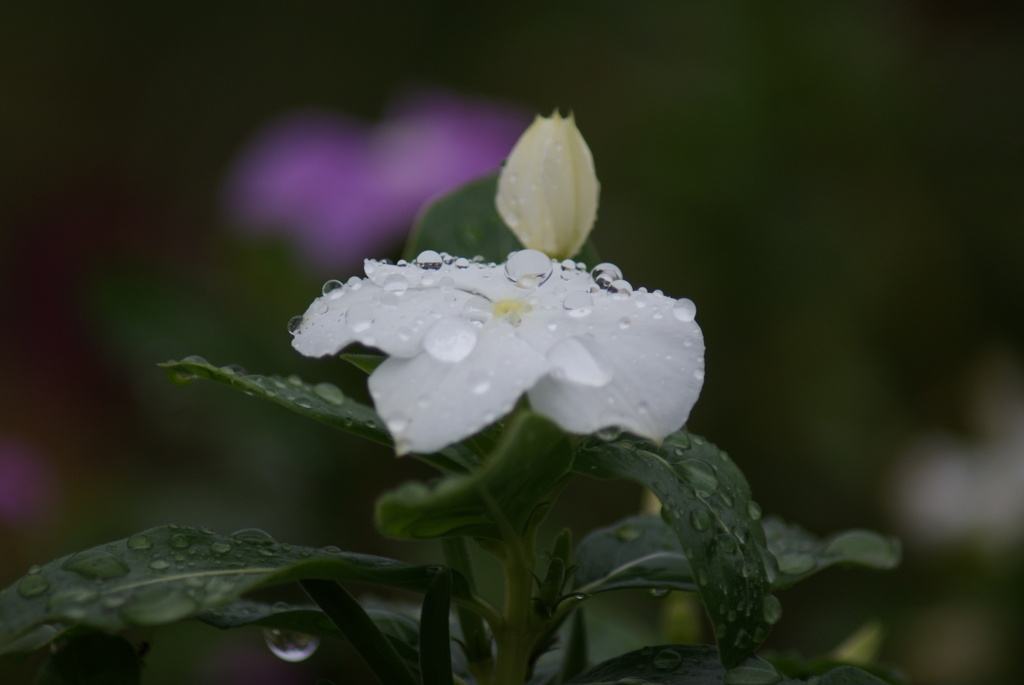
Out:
{"x": 701, "y": 519}
{"x": 667, "y": 660}
{"x": 330, "y": 393}
{"x": 139, "y": 541}
{"x": 96, "y": 565}
{"x": 31, "y": 586}
{"x": 289, "y": 645}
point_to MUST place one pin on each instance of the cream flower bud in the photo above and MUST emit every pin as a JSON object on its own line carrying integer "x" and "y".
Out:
{"x": 547, "y": 191}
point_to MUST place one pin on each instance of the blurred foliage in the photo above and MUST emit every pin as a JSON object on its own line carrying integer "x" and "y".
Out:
{"x": 837, "y": 185}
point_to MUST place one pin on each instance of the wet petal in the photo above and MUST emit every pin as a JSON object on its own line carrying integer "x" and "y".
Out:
{"x": 442, "y": 396}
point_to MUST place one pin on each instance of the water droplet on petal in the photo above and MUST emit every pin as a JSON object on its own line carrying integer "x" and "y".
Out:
{"x": 396, "y": 283}
{"x": 359, "y": 317}
{"x": 461, "y": 263}
{"x": 685, "y": 310}
{"x": 604, "y": 274}
{"x": 428, "y": 259}
{"x": 450, "y": 340}
{"x": 528, "y": 268}
{"x": 330, "y": 286}
{"x": 571, "y": 360}
{"x": 96, "y": 564}
{"x": 620, "y": 289}
{"x": 289, "y": 645}
{"x": 578, "y": 303}
{"x": 31, "y": 586}
{"x": 478, "y": 310}
{"x": 294, "y": 324}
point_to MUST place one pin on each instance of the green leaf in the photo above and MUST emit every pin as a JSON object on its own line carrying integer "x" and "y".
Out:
{"x": 352, "y": 620}
{"x": 664, "y": 664}
{"x": 435, "y": 640}
{"x": 801, "y": 554}
{"x": 529, "y": 463}
{"x": 475, "y": 636}
{"x": 464, "y": 223}
{"x": 706, "y": 500}
{"x": 638, "y": 552}
{"x": 324, "y": 402}
{"x": 172, "y": 573}
{"x": 92, "y": 660}
{"x": 699, "y": 665}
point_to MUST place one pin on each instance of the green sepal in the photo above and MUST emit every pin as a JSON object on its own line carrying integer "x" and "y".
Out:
{"x": 171, "y": 573}
{"x": 531, "y": 460}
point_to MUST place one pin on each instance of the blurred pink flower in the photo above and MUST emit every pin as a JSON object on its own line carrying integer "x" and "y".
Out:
{"x": 27, "y": 490}
{"x": 343, "y": 190}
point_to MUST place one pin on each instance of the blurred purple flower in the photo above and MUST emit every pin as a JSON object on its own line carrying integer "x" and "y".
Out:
{"x": 27, "y": 491}
{"x": 344, "y": 190}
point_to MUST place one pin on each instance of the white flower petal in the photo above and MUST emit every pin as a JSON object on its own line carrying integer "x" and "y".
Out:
{"x": 433, "y": 400}
{"x": 636, "y": 368}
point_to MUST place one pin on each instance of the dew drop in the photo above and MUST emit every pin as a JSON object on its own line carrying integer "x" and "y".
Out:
{"x": 620, "y": 289}
{"x": 667, "y": 660}
{"x": 330, "y": 286}
{"x": 294, "y": 324}
{"x": 461, "y": 263}
{"x": 159, "y": 564}
{"x": 359, "y": 317}
{"x": 96, "y": 564}
{"x": 32, "y": 586}
{"x": 477, "y": 310}
{"x": 658, "y": 592}
{"x": 253, "y": 535}
{"x": 179, "y": 541}
{"x": 289, "y": 645}
{"x": 396, "y": 283}
{"x": 220, "y": 547}
{"x": 605, "y": 274}
{"x": 450, "y": 340}
{"x": 698, "y": 474}
{"x": 701, "y": 519}
{"x": 578, "y": 303}
{"x": 139, "y": 541}
{"x": 772, "y": 609}
{"x": 158, "y": 604}
{"x": 752, "y": 671}
{"x": 428, "y": 259}
{"x": 754, "y": 511}
{"x": 330, "y": 393}
{"x": 685, "y": 310}
{"x": 628, "y": 532}
{"x": 528, "y": 268}
{"x": 795, "y": 564}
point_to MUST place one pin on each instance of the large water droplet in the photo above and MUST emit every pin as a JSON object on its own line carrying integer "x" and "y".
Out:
{"x": 752, "y": 671}
{"x": 772, "y": 609}
{"x": 330, "y": 286}
{"x": 575, "y": 361}
{"x": 158, "y": 604}
{"x": 578, "y": 303}
{"x": 605, "y": 274}
{"x": 620, "y": 289}
{"x": 396, "y": 283}
{"x": 139, "y": 541}
{"x": 667, "y": 660}
{"x": 31, "y": 586}
{"x": 528, "y": 268}
{"x": 294, "y": 324}
{"x": 478, "y": 310}
{"x": 451, "y": 339}
{"x": 96, "y": 564}
{"x": 428, "y": 259}
{"x": 685, "y": 310}
{"x": 179, "y": 541}
{"x": 701, "y": 519}
{"x": 254, "y": 535}
{"x": 359, "y": 317}
{"x": 754, "y": 510}
{"x": 289, "y": 645}
{"x": 698, "y": 474}
{"x": 330, "y": 393}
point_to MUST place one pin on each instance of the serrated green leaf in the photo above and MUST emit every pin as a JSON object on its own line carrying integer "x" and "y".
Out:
{"x": 638, "y": 552}
{"x": 800, "y": 554}
{"x": 171, "y": 573}
{"x": 464, "y": 223}
{"x": 324, "y": 402}
{"x": 706, "y": 500}
{"x": 531, "y": 459}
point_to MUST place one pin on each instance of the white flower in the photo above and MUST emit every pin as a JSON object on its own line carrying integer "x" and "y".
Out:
{"x": 548, "y": 189}
{"x": 466, "y": 340}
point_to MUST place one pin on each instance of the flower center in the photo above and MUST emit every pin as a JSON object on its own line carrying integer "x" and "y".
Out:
{"x": 511, "y": 310}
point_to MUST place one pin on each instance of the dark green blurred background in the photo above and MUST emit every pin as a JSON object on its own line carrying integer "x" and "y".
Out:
{"x": 837, "y": 185}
